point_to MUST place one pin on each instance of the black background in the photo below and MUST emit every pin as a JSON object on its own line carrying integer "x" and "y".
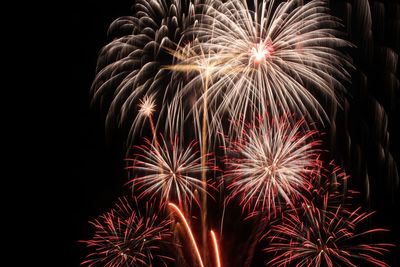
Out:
{"x": 90, "y": 169}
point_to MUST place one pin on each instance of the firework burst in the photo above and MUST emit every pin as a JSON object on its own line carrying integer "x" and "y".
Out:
{"x": 170, "y": 171}
{"x": 274, "y": 59}
{"x": 318, "y": 237}
{"x": 129, "y": 68}
{"x": 125, "y": 237}
{"x": 270, "y": 163}
{"x": 147, "y": 106}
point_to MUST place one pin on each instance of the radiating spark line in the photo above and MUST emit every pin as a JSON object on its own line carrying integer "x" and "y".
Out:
{"x": 327, "y": 187}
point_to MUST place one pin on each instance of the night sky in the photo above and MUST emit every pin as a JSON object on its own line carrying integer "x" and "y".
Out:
{"x": 94, "y": 171}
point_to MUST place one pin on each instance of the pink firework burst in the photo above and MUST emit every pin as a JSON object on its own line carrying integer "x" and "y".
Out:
{"x": 268, "y": 163}
{"x": 125, "y": 237}
{"x": 318, "y": 237}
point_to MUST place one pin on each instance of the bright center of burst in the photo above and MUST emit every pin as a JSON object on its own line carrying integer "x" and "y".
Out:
{"x": 270, "y": 170}
{"x": 260, "y": 55}
{"x": 146, "y": 106}
{"x": 260, "y": 52}
{"x": 147, "y": 110}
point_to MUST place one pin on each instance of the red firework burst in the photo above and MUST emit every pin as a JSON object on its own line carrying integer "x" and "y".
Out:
{"x": 327, "y": 188}
{"x": 317, "y": 237}
{"x": 125, "y": 237}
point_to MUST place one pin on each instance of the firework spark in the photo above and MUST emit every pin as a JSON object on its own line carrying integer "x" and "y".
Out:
{"x": 170, "y": 171}
{"x": 317, "y": 237}
{"x": 123, "y": 237}
{"x": 270, "y": 60}
{"x": 270, "y": 163}
{"x": 327, "y": 188}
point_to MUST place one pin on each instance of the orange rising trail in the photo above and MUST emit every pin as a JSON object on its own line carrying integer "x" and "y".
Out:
{"x": 182, "y": 217}
{"x": 214, "y": 239}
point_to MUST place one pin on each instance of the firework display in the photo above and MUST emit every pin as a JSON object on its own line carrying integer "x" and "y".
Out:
{"x": 221, "y": 101}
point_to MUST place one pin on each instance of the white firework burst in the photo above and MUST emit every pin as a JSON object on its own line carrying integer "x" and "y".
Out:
{"x": 275, "y": 59}
{"x": 147, "y": 106}
{"x": 129, "y": 68}
{"x": 170, "y": 171}
{"x": 270, "y": 163}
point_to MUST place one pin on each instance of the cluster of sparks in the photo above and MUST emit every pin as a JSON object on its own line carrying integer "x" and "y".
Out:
{"x": 227, "y": 70}
{"x": 271, "y": 161}
{"x": 318, "y": 237}
{"x": 125, "y": 237}
{"x": 170, "y": 171}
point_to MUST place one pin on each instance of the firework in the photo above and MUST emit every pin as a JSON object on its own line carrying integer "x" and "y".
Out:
{"x": 215, "y": 243}
{"x": 317, "y": 237}
{"x": 125, "y": 237}
{"x": 187, "y": 227}
{"x": 270, "y": 162}
{"x": 204, "y": 69}
{"x": 270, "y": 60}
{"x": 170, "y": 171}
{"x": 147, "y": 106}
{"x": 193, "y": 240}
{"x": 129, "y": 68}
{"x": 327, "y": 187}
{"x": 212, "y": 67}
